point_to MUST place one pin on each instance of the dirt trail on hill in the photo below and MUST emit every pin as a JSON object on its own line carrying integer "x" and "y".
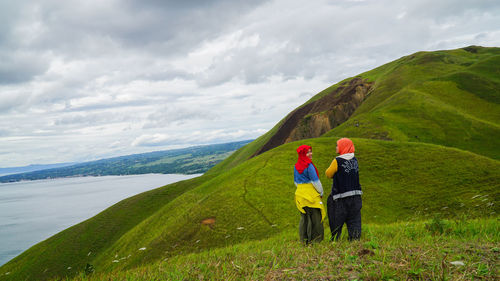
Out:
{"x": 318, "y": 117}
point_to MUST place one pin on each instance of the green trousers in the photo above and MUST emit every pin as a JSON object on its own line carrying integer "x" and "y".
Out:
{"x": 310, "y": 226}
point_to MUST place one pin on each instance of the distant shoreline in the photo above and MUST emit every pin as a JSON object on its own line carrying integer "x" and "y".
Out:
{"x": 92, "y": 176}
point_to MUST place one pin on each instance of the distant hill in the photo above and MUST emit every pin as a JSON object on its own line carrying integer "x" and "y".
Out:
{"x": 191, "y": 160}
{"x": 31, "y": 168}
{"x": 426, "y": 133}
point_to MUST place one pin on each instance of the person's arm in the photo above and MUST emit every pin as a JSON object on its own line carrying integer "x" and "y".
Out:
{"x": 294, "y": 179}
{"x": 332, "y": 169}
{"x": 315, "y": 179}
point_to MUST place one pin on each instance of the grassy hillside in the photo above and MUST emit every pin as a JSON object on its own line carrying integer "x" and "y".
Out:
{"x": 431, "y": 250}
{"x": 451, "y": 98}
{"x": 427, "y": 139}
{"x": 254, "y": 201}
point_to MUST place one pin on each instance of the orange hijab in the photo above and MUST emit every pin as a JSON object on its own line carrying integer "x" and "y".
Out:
{"x": 345, "y": 145}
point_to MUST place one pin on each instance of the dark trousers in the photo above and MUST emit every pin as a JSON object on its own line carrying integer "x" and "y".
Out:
{"x": 310, "y": 226}
{"x": 345, "y": 210}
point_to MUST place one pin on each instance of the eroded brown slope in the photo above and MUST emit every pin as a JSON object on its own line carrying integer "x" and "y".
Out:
{"x": 320, "y": 116}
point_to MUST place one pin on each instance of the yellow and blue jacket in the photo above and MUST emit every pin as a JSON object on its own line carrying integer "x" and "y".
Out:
{"x": 309, "y": 190}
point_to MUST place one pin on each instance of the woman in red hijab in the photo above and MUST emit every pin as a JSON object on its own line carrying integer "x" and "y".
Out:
{"x": 344, "y": 203}
{"x": 308, "y": 197}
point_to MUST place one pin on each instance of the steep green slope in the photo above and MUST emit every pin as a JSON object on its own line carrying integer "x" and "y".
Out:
{"x": 254, "y": 200}
{"x": 450, "y": 98}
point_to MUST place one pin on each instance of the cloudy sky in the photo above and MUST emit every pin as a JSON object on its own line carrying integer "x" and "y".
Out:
{"x": 84, "y": 80}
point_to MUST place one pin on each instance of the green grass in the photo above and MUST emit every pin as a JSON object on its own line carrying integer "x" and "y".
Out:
{"x": 398, "y": 251}
{"x": 164, "y": 160}
{"x": 210, "y": 158}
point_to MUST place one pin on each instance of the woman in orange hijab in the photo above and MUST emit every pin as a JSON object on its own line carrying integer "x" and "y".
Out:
{"x": 344, "y": 203}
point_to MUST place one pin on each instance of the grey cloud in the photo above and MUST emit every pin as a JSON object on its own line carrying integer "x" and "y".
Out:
{"x": 10, "y": 100}
{"x": 261, "y": 108}
{"x": 91, "y": 119}
{"x": 481, "y": 35}
{"x": 239, "y": 96}
{"x": 175, "y": 114}
{"x": 196, "y": 138}
{"x": 345, "y": 38}
{"x": 250, "y": 66}
{"x": 115, "y": 38}
{"x": 158, "y": 140}
{"x": 305, "y": 95}
{"x": 9, "y": 13}
{"x": 110, "y": 105}
{"x": 165, "y": 74}
{"x": 443, "y": 10}
{"x": 166, "y": 28}
{"x": 4, "y": 133}
{"x": 18, "y": 67}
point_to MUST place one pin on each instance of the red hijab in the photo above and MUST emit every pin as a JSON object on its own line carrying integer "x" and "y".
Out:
{"x": 303, "y": 160}
{"x": 345, "y": 145}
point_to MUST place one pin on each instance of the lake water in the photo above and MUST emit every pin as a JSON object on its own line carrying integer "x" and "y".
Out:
{"x": 32, "y": 211}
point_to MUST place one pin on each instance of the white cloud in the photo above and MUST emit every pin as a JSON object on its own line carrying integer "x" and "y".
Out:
{"x": 152, "y": 140}
{"x": 196, "y": 137}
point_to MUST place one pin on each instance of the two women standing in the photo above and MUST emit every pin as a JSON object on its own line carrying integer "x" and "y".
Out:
{"x": 344, "y": 203}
